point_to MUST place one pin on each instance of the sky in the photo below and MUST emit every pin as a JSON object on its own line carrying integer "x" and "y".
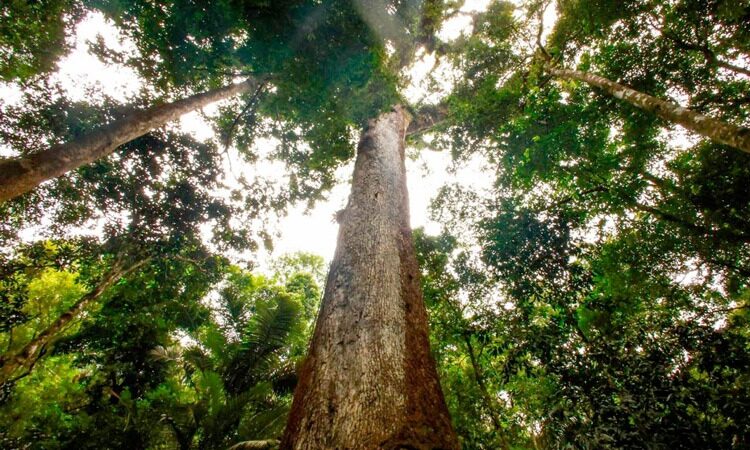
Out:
{"x": 301, "y": 230}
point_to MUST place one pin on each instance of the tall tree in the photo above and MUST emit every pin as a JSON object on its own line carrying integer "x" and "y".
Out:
{"x": 369, "y": 380}
{"x": 330, "y": 67}
{"x": 317, "y": 104}
{"x": 607, "y": 242}
{"x": 20, "y": 175}
{"x": 721, "y": 132}
{"x": 649, "y": 51}
{"x": 153, "y": 218}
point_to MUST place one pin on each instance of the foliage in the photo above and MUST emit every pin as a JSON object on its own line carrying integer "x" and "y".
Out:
{"x": 595, "y": 296}
{"x": 33, "y": 35}
{"x": 325, "y": 67}
{"x": 159, "y": 367}
{"x": 615, "y": 261}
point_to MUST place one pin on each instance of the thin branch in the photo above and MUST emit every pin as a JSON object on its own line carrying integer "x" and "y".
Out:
{"x": 252, "y": 103}
{"x": 540, "y": 31}
{"x": 721, "y": 310}
{"x": 426, "y": 119}
{"x": 489, "y": 401}
{"x": 710, "y": 55}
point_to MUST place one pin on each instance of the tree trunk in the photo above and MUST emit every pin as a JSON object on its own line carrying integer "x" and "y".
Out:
{"x": 369, "y": 381}
{"x": 20, "y": 175}
{"x": 724, "y": 133}
{"x": 25, "y": 358}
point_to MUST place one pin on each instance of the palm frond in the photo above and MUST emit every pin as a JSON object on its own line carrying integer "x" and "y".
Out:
{"x": 219, "y": 427}
{"x": 211, "y": 385}
{"x": 269, "y": 421}
{"x": 256, "y": 445}
{"x": 164, "y": 354}
{"x": 266, "y": 333}
{"x": 197, "y": 358}
{"x": 270, "y": 326}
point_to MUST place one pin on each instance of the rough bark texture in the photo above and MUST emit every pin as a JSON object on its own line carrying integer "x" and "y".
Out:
{"x": 722, "y": 132}
{"x": 23, "y": 359}
{"x": 369, "y": 381}
{"x": 20, "y": 175}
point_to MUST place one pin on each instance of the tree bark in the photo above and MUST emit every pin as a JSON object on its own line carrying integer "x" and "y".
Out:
{"x": 24, "y": 358}
{"x": 20, "y": 175}
{"x": 369, "y": 381}
{"x": 722, "y": 132}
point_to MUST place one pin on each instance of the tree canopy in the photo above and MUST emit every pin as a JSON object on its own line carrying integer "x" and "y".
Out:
{"x": 593, "y": 295}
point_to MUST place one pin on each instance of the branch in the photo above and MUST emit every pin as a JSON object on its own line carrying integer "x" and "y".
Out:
{"x": 24, "y": 358}
{"x": 489, "y": 401}
{"x": 720, "y": 310}
{"x": 427, "y": 118}
{"x": 252, "y": 103}
{"x": 709, "y": 54}
{"x": 545, "y": 54}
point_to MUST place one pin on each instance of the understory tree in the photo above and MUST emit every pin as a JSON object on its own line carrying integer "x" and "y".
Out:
{"x": 201, "y": 376}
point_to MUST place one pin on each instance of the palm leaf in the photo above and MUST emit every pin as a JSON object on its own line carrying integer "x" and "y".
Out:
{"x": 269, "y": 328}
{"x": 266, "y": 333}
{"x": 268, "y": 422}
{"x": 255, "y": 445}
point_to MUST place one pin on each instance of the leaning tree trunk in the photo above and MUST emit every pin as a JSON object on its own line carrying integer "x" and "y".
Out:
{"x": 369, "y": 381}
{"x": 20, "y": 175}
{"x": 24, "y": 358}
{"x": 722, "y": 132}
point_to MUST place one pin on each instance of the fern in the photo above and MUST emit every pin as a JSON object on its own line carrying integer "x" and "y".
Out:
{"x": 266, "y": 333}
{"x": 269, "y": 328}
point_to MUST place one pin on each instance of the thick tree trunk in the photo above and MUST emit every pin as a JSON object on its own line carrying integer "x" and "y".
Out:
{"x": 369, "y": 381}
{"x": 24, "y": 359}
{"x": 722, "y": 132}
{"x": 20, "y": 175}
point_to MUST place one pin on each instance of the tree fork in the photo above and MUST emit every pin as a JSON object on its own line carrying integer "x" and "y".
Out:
{"x": 369, "y": 380}
{"x": 716, "y": 130}
{"x": 20, "y": 175}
